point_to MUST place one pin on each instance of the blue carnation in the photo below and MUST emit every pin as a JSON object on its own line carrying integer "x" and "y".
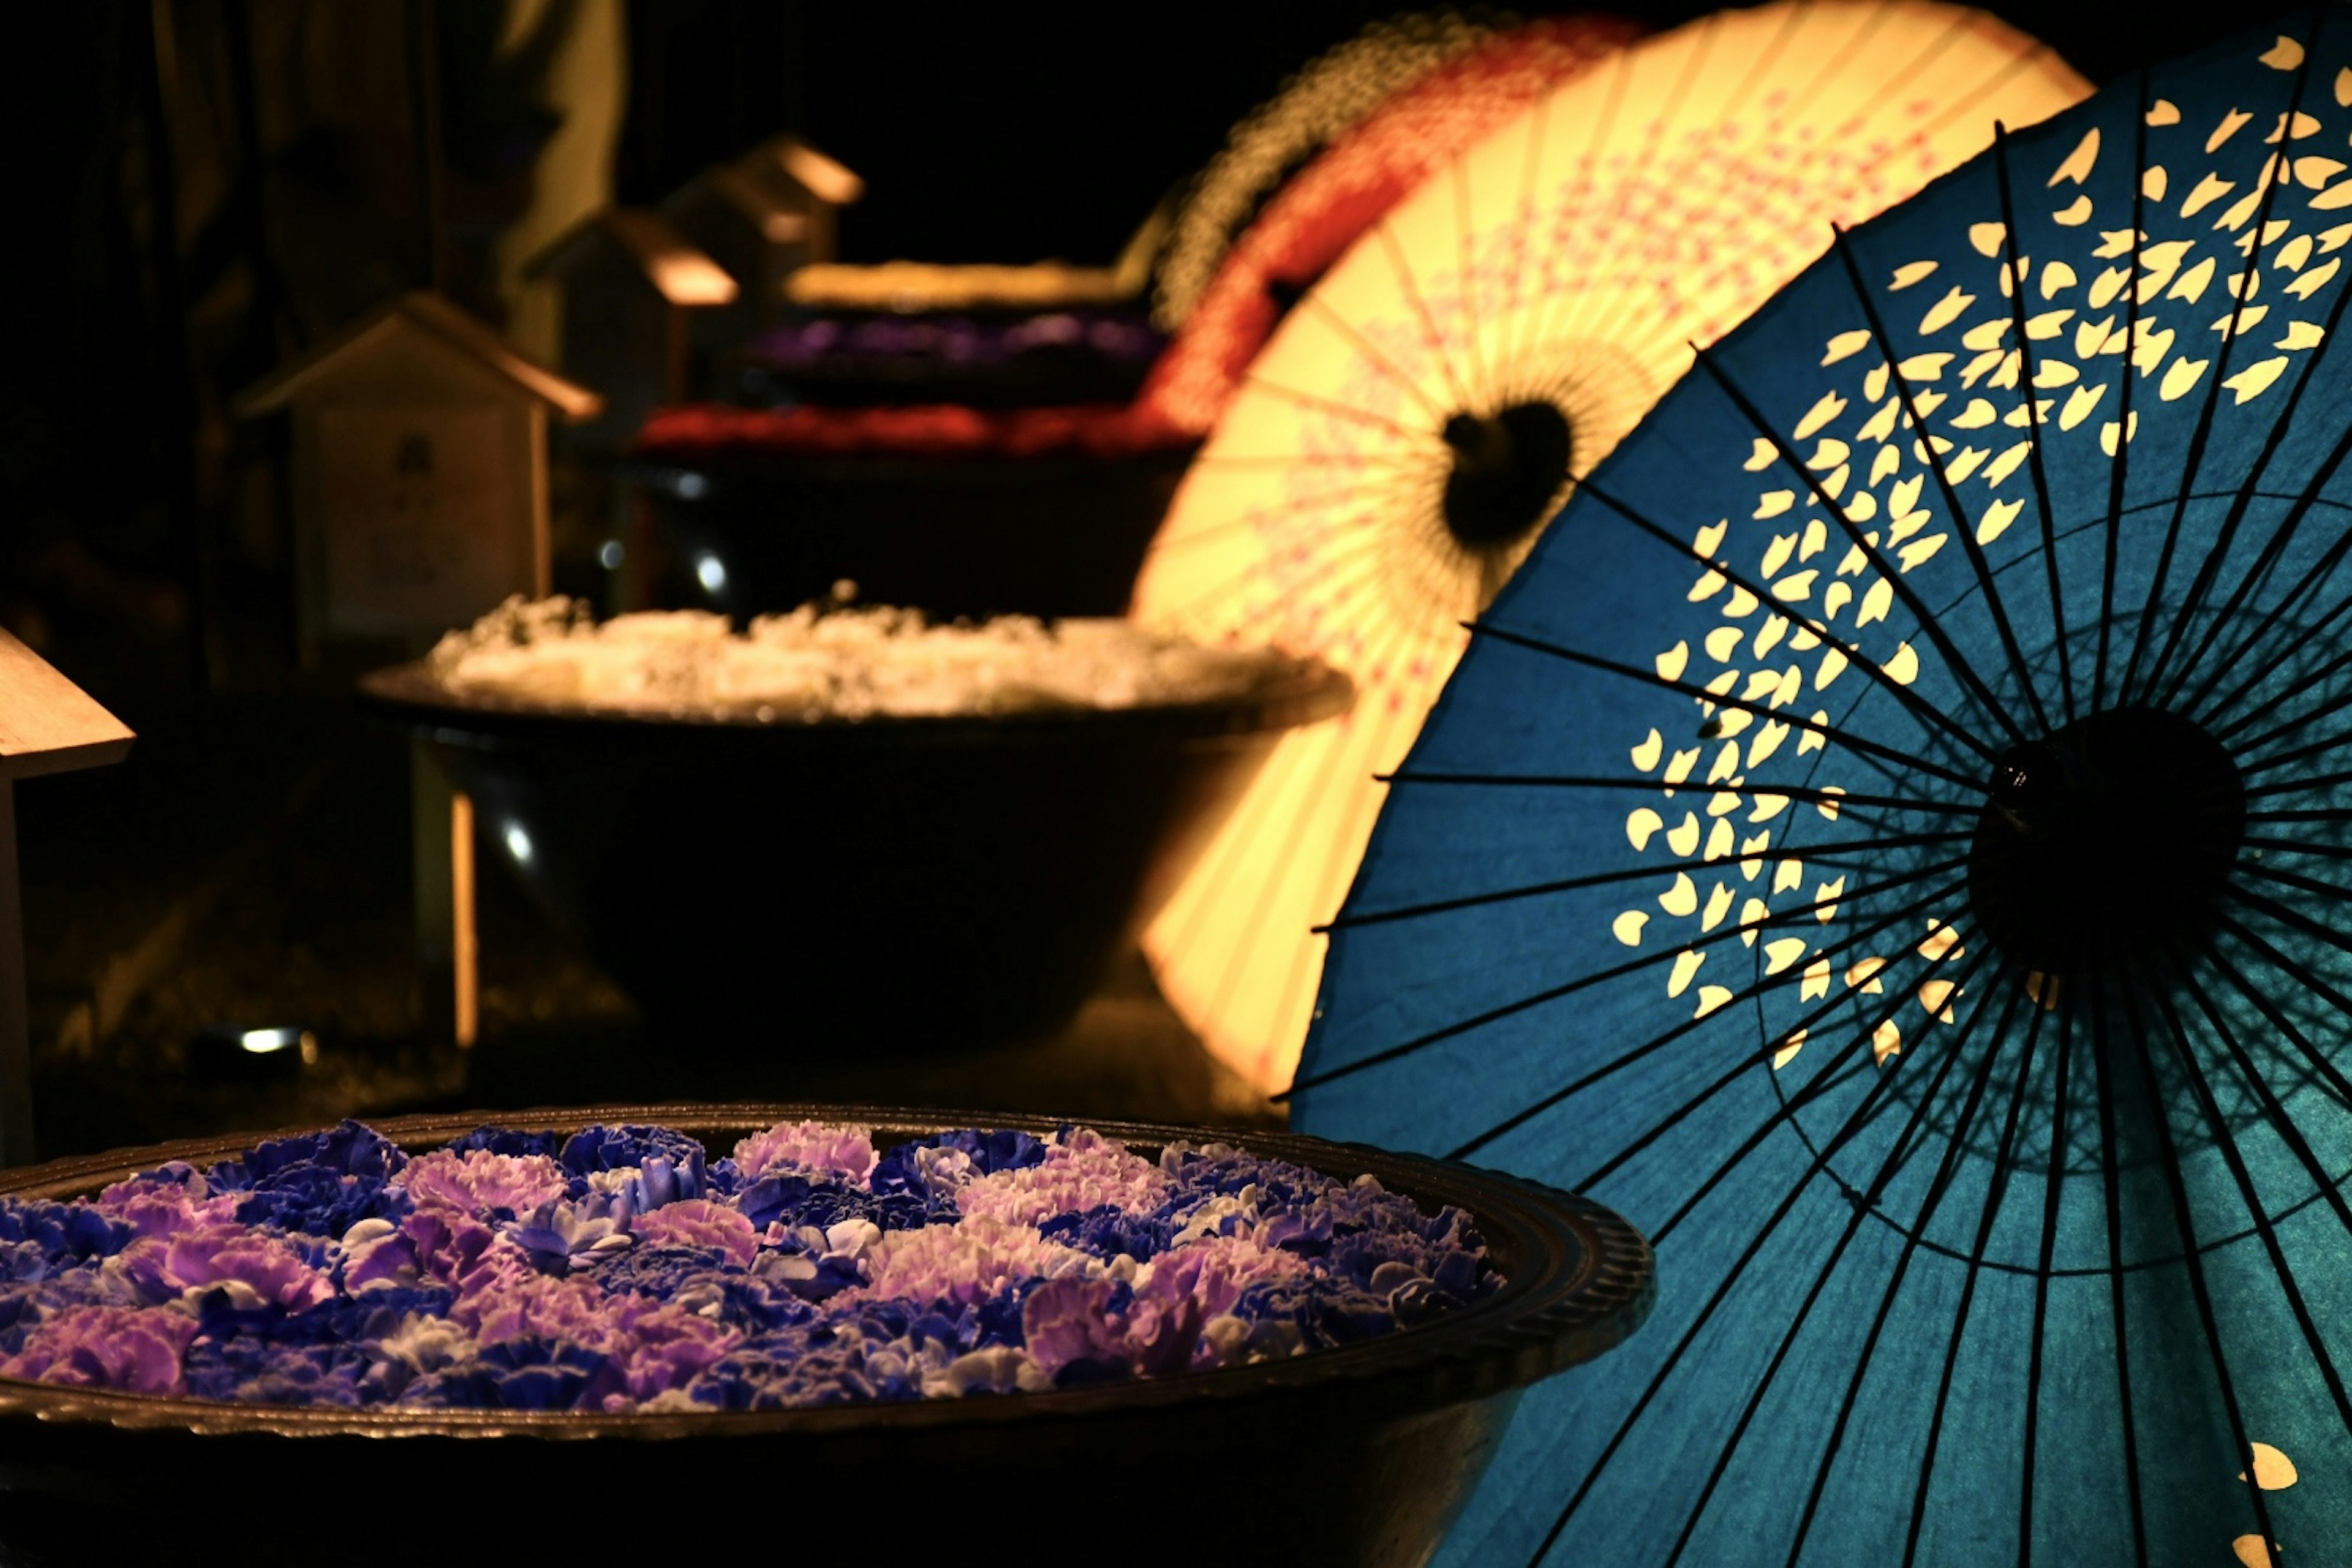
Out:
{"x": 348, "y": 1149}
{"x": 1112, "y": 1232}
{"x": 501, "y": 1141}
{"x": 66, "y": 1233}
{"x": 988, "y": 1152}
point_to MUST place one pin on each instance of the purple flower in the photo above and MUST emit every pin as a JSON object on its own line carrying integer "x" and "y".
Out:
{"x": 669, "y": 1164}
{"x": 1081, "y": 1172}
{"x": 168, "y": 1201}
{"x": 1078, "y": 1333}
{"x": 253, "y": 1268}
{"x": 699, "y": 1222}
{"x": 965, "y": 1263}
{"x": 106, "y": 1347}
{"x": 844, "y": 1152}
{"x": 483, "y": 1184}
{"x": 562, "y": 1236}
{"x": 60, "y": 1235}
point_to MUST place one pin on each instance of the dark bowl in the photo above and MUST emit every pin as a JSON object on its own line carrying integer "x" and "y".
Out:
{"x": 886, "y": 883}
{"x": 1356, "y": 1456}
{"x": 1053, "y": 534}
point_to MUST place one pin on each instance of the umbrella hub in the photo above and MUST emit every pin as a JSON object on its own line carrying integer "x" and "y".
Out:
{"x": 1508, "y": 468}
{"x": 2107, "y": 842}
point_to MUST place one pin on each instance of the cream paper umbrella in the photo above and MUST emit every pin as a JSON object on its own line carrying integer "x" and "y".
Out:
{"x": 1393, "y": 453}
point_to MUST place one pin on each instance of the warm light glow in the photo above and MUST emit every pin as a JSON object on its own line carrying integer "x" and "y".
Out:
{"x": 1360, "y": 498}
{"x": 270, "y": 1042}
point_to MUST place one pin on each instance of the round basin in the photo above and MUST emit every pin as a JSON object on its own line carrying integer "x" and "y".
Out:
{"x": 1358, "y": 1455}
{"x": 887, "y": 882}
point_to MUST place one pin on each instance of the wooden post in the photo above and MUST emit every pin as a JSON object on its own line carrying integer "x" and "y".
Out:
{"x": 441, "y": 843}
{"x": 48, "y": 725}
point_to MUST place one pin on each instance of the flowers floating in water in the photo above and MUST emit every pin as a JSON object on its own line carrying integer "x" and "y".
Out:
{"x": 619, "y": 1268}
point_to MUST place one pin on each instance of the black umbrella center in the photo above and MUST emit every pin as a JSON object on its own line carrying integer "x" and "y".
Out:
{"x": 1507, "y": 466}
{"x": 2108, "y": 841}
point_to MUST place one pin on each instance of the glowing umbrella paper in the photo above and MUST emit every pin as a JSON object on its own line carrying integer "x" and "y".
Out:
{"x": 1390, "y": 456}
{"x": 1890, "y": 841}
{"x": 1308, "y": 223}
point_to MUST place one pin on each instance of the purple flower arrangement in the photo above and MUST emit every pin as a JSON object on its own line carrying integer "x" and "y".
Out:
{"x": 619, "y": 1268}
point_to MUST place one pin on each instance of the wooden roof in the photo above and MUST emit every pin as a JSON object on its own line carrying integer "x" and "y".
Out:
{"x": 420, "y": 310}
{"x": 680, "y": 273}
{"x": 48, "y": 724}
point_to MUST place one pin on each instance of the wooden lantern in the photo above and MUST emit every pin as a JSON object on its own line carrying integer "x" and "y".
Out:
{"x": 420, "y": 502}
{"x": 48, "y": 725}
{"x": 630, "y": 284}
{"x": 762, "y": 218}
{"x": 419, "y": 472}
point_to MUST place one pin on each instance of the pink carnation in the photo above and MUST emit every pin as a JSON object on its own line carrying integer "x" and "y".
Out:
{"x": 664, "y": 1347}
{"x": 812, "y": 1145}
{"x": 699, "y": 1222}
{"x": 448, "y": 1243}
{"x": 226, "y": 1256}
{"x": 126, "y": 1348}
{"x": 497, "y": 1306}
{"x": 167, "y": 1207}
{"x": 478, "y": 1182}
{"x": 1069, "y": 1319}
{"x": 1214, "y": 1270}
{"x": 1085, "y": 1172}
{"x": 965, "y": 1263}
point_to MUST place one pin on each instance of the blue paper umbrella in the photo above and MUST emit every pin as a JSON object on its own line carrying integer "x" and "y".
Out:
{"x": 1890, "y": 841}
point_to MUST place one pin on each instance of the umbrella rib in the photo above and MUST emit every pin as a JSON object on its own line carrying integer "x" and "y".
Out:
{"x": 1389, "y": 488}
{"x": 2032, "y": 424}
{"x": 2185, "y": 1225}
{"x": 2312, "y": 575}
{"x": 2284, "y": 1125}
{"x": 1340, "y": 762}
{"x": 1961, "y": 522}
{"x": 1895, "y": 755}
{"x": 1954, "y": 660}
{"x": 1538, "y": 119}
{"x": 2227, "y": 534}
{"x": 1954, "y": 1151}
{"x": 1420, "y": 439}
{"x": 1604, "y": 124}
{"x": 1854, "y": 1122}
{"x": 1996, "y": 1193}
{"x": 1371, "y": 352}
{"x": 2275, "y": 546}
{"x": 2310, "y": 749}
{"x": 2301, "y": 975}
{"x": 1630, "y": 966}
{"x": 1820, "y": 854}
{"x": 2296, "y": 787}
{"x": 1704, "y": 32}
{"x": 1596, "y": 781}
{"x": 2111, "y": 1188}
{"x": 2052, "y": 1188}
{"x": 1286, "y": 460}
{"x": 2120, "y": 468}
{"x": 1475, "y": 359}
{"x": 1529, "y": 1112}
{"x": 2299, "y": 846}
{"x": 1932, "y": 717}
{"x": 1405, "y": 280}
{"x": 1861, "y": 1204}
{"x": 2308, "y": 681}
